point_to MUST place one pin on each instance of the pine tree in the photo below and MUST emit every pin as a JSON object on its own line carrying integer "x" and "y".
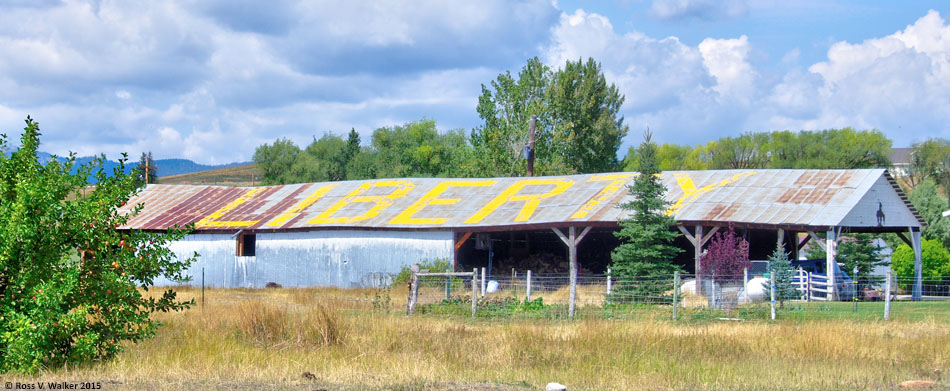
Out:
{"x": 147, "y": 172}
{"x": 646, "y": 250}
{"x": 861, "y": 252}
{"x": 782, "y": 273}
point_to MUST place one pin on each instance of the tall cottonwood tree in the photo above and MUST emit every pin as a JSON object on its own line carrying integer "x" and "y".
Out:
{"x": 579, "y": 128}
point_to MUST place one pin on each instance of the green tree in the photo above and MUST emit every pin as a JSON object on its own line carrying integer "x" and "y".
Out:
{"x": 646, "y": 236}
{"x": 930, "y": 205}
{"x": 931, "y": 159}
{"x": 415, "y": 149}
{"x": 276, "y": 160}
{"x": 859, "y": 251}
{"x": 587, "y": 129}
{"x": 506, "y": 108}
{"x": 71, "y": 281}
{"x": 325, "y": 159}
{"x": 579, "y": 128}
{"x": 146, "y": 172}
{"x": 782, "y": 274}
{"x": 934, "y": 257}
{"x": 671, "y": 157}
{"x": 744, "y": 152}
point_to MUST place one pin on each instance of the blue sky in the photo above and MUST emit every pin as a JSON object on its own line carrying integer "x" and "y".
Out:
{"x": 210, "y": 80}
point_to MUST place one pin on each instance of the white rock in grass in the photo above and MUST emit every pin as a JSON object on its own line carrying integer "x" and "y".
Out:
{"x": 555, "y": 387}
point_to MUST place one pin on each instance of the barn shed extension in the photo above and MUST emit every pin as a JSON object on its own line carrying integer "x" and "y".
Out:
{"x": 357, "y": 233}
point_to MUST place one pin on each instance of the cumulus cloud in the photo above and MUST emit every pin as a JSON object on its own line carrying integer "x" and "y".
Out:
{"x": 699, "y": 9}
{"x": 226, "y": 76}
{"x": 899, "y": 83}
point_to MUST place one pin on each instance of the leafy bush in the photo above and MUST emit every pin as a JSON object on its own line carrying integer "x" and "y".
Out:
{"x": 70, "y": 279}
{"x": 437, "y": 265}
{"x": 934, "y": 259}
{"x": 727, "y": 256}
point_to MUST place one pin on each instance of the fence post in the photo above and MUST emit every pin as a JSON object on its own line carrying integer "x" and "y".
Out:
{"x": 808, "y": 288}
{"x": 514, "y": 287}
{"x": 448, "y": 285}
{"x": 413, "y": 288}
{"x": 527, "y": 294}
{"x": 608, "y": 281}
{"x": 887, "y": 295}
{"x": 474, "y": 290}
{"x": 745, "y": 284}
{"x": 202, "y": 287}
{"x": 772, "y": 294}
{"x": 483, "y": 282}
{"x": 676, "y": 291}
{"x": 802, "y": 279}
{"x": 854, "y": 289}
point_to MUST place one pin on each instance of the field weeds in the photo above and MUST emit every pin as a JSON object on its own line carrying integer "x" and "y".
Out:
{"x": 359, "y": 339}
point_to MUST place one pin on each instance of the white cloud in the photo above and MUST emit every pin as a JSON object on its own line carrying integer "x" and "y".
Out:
{"x": 726, "y": 60}
{"x": 898, "y": 83}
{"x": 699, "y": 9}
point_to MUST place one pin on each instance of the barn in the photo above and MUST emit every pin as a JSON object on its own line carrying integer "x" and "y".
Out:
{"x": 358, "y": 233}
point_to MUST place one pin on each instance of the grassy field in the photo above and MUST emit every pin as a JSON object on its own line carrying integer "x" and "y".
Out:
{"x": 246, "y": 175}
{"x": 360, "y": 339}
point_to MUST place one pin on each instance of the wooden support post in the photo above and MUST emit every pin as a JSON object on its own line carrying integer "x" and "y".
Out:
{"x": 571, "y": 240}
{"x": 474, "y": 290}
{"x": 698, "y": 254}
{"x": 780, "y": 239}
{"x": 831, "y": 263}
{"x": 887, "y": 295}
{"x": 531, "y": 129}
{"x": 572, "y": 253}
{"x": 527, "y": 293}
{"x": 917, "y": 293}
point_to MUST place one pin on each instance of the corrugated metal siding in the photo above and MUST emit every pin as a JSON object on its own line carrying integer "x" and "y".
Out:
{"x": 342, "y": 258}
{"x": 818, "y": 198}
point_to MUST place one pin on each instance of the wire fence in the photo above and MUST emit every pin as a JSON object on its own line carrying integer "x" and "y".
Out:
{"x": 805, "y": 296}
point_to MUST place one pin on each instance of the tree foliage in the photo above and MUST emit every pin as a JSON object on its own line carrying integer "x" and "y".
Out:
{"x": 831, "y": 148}
{"x": 934, "y": 257}
{"x": 146, "y": 172}
{"x": 579, "y": 129}
{"x": 276, "y": 160}
{"x": 782, "y": 274}
{"x": 930, "y": 159}
{"x": 859, "y": 250}
{"x": 726, "y": 257}
{"x": 930, "y": 205}
{"x": 71, "y": 281}
{"x": 646, "y": 236}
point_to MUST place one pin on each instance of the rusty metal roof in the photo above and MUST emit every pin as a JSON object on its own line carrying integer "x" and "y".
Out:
{"x": 791, "y": 198}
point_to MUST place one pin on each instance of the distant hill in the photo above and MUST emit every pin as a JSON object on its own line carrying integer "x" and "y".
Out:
{"x": 243, "y": 175}
{"x": 165, "y": 167}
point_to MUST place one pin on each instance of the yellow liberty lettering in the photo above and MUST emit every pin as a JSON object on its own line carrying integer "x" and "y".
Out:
{"x": 616, "y": 183}
{"x": 431, "y": 198}
{"x": 355, "y": 196}
{"x": 531, "y": 201}
{"x": 691, "y": 193}
{"x": 303, "y": 204}
{"x": 210, "y": 220}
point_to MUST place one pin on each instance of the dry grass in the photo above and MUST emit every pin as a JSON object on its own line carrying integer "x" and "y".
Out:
{"x": 261, "y": 339}
{"x": 246, "y": 175}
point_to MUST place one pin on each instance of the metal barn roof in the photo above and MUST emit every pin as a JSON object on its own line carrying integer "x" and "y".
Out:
{"x": 866, "y": 198}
